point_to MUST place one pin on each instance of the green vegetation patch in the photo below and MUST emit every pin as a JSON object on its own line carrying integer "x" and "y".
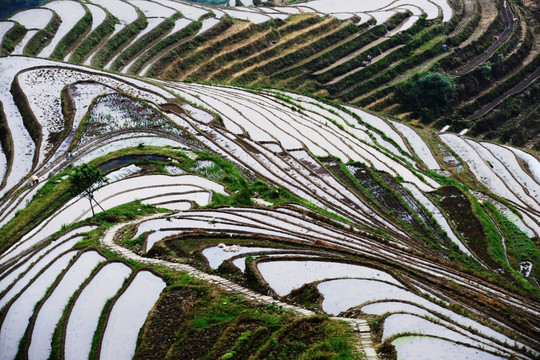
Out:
{"x": 519, "y": 246}
{"x": 186, "y": 47}
{"x": 426, "y": 94}
{"x": 128, "y": 54}
{"x": 92, "y": 41}
{"x": 330, "y": 36}
{"x": 412, "y": 38}
{"x": 460, "y": 212}
{"x": 69, "y": 40}
{"x": 223, "y": 326}
{"x": 116, "y": 43}
{"x": 11, "y": 38}
{"x": 43, "y": 37}
{"x": 6, "y": 141}
{"x": 165, "y": 43}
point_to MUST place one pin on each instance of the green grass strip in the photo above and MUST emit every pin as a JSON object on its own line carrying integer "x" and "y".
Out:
{"x": 89, "y": 44}
{"x": 304, "y": 52}
{"x": 69, "y": 40}
{"x": 128, "y": 54}
{"x": 187, "y": 46}
{"x": 12, "y": 38}
{"x": 43, "y": 37}
{"x": 393, "y": 72}
{"x": 106, "y": 53}
{"x": 519, "y": 246}
{"x": 405, "y": 37}
{"x": 165, "y": 43}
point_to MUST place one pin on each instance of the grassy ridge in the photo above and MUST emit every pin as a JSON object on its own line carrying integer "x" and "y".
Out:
{"x": 506, "y": 85}
{"x": 334, "y": 55}
{"x": 207, "y": 51}
{"x": 411, "y": 39}
{"x": 252, "y": 47}
{"x": 468, "y": 29}
{"x": 411, "y": 62}
{"x": 295, "y": 76}
{"x": 11, "y": 38}
{"x": 31, "y": 123}
{"x": 514, "y": 120}
{"x": 6, "y": 141}
{"x": 69, "y": 40}
{"x": 106, "y": 53}
{"x": 128, "y": 54}
{"x": 163, "y": 44}
{"x": 90, "y": 44}
{"x": 492, "y": 71}
{"x": 278, "y": 50}
{"x": 305, "y": 51}
{"x": 160, "y": 66}
{"x": 461, "y": 55}
{"x": 43, "y": 37}
{"x": 520, "y": 247}
{"x": 281, "y": 29}
{"x": 217, "y": 325}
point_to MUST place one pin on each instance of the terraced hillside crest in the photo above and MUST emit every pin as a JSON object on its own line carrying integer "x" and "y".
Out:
{"x": 261, "y": 190}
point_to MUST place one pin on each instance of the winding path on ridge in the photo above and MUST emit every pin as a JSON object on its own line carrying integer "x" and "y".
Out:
{"x": 360, "y": 326}
{"x": 508, "y": 16}
{"x": 516, "y": 89}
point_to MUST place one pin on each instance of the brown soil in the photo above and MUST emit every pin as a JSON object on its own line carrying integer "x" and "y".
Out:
{"x": 389, "y": 202}
{"x": 230, "y": 337}
{"x": 459, "y": 209}
{"x": 308, "y": 296}
{"x": 158, "y": 334}
{"x": 414, "y": 205}
{"x": 197, "y": 343}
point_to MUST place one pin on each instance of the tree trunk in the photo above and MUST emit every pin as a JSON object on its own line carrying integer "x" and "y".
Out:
{"x": 91, "y": 206}
{"x": 98, "y": 204}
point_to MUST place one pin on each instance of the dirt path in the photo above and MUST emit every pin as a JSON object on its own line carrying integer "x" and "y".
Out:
{"x": 404, "y": 76}
{"x": 352, "y": 55}
{"x": 360, "y": 327}
{"x": 508, "y": 16}
{"x": 373, "y": 60}
{"x": 468, "y": 13}
{"x": 519, "y": 87}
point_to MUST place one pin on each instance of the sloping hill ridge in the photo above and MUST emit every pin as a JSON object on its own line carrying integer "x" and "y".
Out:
{"x": 243, "y": 222}
{"x": 488, "y": 49}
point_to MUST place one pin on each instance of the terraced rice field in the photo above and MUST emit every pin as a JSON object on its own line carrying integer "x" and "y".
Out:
{"x": 231, "y": 216}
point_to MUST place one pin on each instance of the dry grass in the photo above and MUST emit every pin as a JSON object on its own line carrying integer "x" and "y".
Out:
{"x": 294, "y": 47}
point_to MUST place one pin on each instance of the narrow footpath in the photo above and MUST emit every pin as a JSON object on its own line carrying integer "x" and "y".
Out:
{"x": 508, "y": 16}
{"x": 360, "y": 327}
{"x": 516, "y": 89}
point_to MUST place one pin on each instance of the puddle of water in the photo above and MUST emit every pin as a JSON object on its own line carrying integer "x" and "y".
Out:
{"x": 284, "y": 276}
{"x": 51, "y": 311}
{"x": 128, "y": 316}
{"x": 84, "y": 316}
{"x": 428, "y": 348}
{"x": 118, "y": 162}
{"x": 216, "y": 255}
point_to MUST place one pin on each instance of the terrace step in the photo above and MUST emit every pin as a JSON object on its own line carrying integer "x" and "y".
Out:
{"x": 359, "y": 325}
{"x": 108, "y": 241}
{"x": 363, "y": 334}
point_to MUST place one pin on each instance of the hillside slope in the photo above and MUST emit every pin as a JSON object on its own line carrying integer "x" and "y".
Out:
{"x": 248, "y": 222}
{"x": 489, "y": 50}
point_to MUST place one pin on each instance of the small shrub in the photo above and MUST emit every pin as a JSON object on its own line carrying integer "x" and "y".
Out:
{"x": 425, "y": 93}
